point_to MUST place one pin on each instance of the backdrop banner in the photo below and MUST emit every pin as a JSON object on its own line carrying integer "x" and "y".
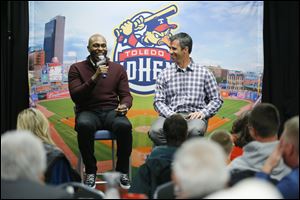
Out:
{"x": 227, "y": 39}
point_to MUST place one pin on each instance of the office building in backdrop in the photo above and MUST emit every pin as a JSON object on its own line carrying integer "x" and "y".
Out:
{"x": 54, "y": 39}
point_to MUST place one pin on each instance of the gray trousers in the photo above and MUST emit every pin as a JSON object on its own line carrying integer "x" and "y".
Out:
{"x": 196, "y": 127}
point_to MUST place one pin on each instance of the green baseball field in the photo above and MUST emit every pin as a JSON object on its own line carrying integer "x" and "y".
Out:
{"x": 61, "y": 116}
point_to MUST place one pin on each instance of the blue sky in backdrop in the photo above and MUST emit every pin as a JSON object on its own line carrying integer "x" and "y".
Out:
{"x": 228, "y": 34}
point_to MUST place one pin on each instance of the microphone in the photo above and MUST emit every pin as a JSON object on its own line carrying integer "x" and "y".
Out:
{"x": 102, "y": 61}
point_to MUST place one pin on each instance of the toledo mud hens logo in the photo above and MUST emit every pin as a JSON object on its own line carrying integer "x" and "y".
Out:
{"x": 143, "y": 47}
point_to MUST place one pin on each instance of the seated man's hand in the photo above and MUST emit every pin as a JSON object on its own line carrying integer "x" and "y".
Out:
{"x": 103, "y": 69}
{"x": 195, "y": 115}
{"x": 122, "y": 110}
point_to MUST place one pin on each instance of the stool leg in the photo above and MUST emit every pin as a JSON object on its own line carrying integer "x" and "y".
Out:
{"x": 130, "y": 168}
{"x": 113, "y": 155}
{"x": 80, "y": 167}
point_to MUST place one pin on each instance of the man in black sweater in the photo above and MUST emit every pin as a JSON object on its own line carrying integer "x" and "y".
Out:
{"x": 99, "y": 88}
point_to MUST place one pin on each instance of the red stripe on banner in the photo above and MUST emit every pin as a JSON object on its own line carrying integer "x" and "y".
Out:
{"x": 150, "y": 52}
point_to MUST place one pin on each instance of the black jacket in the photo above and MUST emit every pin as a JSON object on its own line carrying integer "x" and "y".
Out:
{"x": 154, "y": 172}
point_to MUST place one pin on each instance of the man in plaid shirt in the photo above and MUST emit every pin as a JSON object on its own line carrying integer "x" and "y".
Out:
{"x": 185, "y": 88}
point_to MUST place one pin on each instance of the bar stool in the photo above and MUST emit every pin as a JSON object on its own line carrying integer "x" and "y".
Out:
{"x": 100, "y": 135}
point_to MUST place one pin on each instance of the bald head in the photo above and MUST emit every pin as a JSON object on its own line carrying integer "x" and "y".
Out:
{"x": 94, "y": 37}
{"x": 97, "y": 46}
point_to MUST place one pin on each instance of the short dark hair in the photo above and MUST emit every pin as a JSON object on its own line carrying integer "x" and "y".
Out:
{"x": 240, "y": 128}
{"x": 175, "y": 129}
{"x": 223, "y": 138}
{"x": 184, "y": 40}
{"x": 264, "y": 118}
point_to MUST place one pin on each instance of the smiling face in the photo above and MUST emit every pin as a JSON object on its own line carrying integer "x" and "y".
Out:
{"x": 97, "y": 46}
{"x": 178, "y": 54}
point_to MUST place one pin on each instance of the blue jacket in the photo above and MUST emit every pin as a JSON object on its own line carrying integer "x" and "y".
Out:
{"x": 288, "y": 185}
{"x": 59, "y": 169}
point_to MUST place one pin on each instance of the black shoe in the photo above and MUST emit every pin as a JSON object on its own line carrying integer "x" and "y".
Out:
{"x": 124, "y": 181}
{"x": 90, "y": 180}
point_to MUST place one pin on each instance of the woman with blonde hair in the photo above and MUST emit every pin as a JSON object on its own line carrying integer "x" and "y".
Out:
{"x": 59, "y": 169}
{"x": 35, "y": 121}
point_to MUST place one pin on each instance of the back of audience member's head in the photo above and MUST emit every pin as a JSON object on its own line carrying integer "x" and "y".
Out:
{"x": 35, "y": 121}
{"x": 264, "y": 118}
{"x": 199, "y": 168}
{"x": 249, "y": 188}
{"x": 240, "y": 130}
{"x": 175, "y": 128}
{"x": 290, "y": 142}
{"x": 22, "y": 156}
{"x": 223, "y": 138}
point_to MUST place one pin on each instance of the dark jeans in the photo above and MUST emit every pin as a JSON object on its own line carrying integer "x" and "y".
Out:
{"x": 87, "y": 122}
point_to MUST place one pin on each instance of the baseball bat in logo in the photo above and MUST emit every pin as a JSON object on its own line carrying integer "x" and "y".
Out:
{"x": 171, "y": 10}
{"x": 143, "y": 47}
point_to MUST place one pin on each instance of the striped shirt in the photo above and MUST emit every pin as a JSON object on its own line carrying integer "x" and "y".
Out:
{"x": 184, "y": 91}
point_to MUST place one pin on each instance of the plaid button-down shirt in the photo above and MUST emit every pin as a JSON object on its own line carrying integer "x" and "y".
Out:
{"x": 192, "y": 90}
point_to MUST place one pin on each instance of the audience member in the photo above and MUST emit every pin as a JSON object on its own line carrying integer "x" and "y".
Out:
{"x": 59, "y": 169}
{"x": 224, "y": 139}
{"x": 23, "y": 163}
{"x": 157, "y": 168}
{"x": 199, "y": 169}
{"x": 240, "y": 134}
{"x": 263, "y": 128}
{"x": 288, "y": 149}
